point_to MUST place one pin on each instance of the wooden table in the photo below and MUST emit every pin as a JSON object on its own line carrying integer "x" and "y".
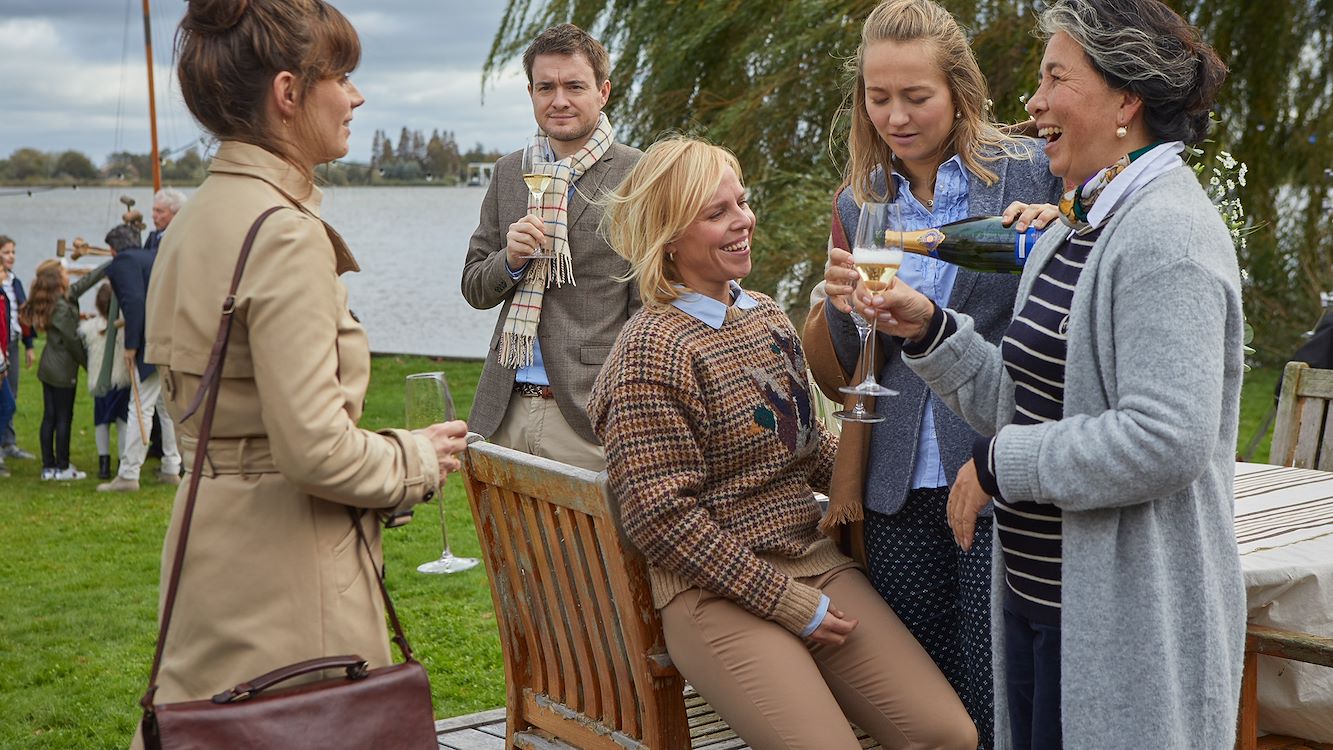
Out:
{"x": 1284, "y": 529}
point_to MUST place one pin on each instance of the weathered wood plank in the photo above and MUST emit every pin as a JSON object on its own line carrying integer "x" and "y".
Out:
{"x": 1287, "y": 424}
{"x": 1247, "y": 723}
{"x": 471, "y": 739}
{"x": 470, "y": 721}
{"x": 1287, "y": 644}
{"x": 583, "y": 558}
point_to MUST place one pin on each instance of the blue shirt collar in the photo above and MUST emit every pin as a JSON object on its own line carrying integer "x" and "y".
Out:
{"x": 709, "y": 311}
{"x": 953, "y": 164}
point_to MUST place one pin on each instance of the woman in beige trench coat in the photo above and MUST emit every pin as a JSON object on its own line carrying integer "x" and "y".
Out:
{"x": 273, "y": 572}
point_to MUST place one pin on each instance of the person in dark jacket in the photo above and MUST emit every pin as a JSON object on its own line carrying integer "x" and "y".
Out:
{"x": 53, "y": 308}
{"x": 129, "y": 272}
{"x": 13, "y": 297}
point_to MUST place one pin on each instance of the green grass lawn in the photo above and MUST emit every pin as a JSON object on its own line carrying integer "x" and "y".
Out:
{"x": 79, "y": 575}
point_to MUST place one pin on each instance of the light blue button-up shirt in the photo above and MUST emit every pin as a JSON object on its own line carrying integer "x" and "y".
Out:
{"x": 709, "y": 311}
{"x": 713, "y": 314}
{"x": 933, "y": 278}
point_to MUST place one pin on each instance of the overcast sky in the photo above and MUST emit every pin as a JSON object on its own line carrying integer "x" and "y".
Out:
{"x": 72, "y": 75}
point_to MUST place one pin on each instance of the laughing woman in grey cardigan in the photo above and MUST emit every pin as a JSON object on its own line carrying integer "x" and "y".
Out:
{"x": 1109, "y": 408}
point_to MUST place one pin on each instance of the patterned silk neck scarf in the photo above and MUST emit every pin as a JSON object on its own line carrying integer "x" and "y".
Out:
{"x": 1077, "y": 204}
{"x": 520, "y": 326}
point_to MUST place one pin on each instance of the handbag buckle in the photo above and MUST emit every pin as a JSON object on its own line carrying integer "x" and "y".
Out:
{"x": 229, "y": 304}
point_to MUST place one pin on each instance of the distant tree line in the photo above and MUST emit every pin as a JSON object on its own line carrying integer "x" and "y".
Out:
{"x": 415, "y": 160}
{"x": 29, "y": 166}
{"x": 418, "y": 159}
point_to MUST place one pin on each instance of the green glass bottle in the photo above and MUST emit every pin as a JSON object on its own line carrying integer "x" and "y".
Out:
{"x": 981, "y": 243}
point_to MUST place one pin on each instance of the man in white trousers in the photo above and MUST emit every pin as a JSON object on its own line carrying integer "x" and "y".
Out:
{"x": 129, "y": 273}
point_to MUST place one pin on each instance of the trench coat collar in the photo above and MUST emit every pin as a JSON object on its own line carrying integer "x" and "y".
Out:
{"x": 249, "y": 160}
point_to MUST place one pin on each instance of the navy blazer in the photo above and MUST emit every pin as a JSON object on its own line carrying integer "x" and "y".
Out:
{"x": 128, "y": 273}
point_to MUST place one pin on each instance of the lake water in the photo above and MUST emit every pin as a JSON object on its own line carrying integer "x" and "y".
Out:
{"x": 410, "y": 242}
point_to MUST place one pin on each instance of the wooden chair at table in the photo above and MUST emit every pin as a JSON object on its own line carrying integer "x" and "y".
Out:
{"x": 1303, "y": 433}
{"x": 584, "y": 657}
{"x": 1302, "y": 438}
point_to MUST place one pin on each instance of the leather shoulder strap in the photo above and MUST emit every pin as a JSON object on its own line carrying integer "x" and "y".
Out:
{"x": 208, "y": 383}
{"x": 399, "y": 637}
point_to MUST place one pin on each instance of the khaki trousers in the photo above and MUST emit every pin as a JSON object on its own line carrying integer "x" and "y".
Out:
{"x": 536, "y": 426}
{"x": 780, "y": 692}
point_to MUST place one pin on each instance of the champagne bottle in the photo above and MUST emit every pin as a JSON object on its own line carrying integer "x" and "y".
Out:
{"x": 981, "y": 243}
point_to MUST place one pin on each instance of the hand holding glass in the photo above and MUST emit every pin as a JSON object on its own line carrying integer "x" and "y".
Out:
{"x": 878, "y": 262}
{"x": 538, "y": 171}
{"x": 429, "y": 402}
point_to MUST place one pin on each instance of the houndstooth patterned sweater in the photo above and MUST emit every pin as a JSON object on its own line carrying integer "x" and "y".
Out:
{"x": 713, "y": 450}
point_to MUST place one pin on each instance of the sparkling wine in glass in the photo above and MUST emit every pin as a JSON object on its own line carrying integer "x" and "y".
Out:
{"x": 538, "y": 172}
{"x": 878, "y": 261}
{"x": 429, "y": 402}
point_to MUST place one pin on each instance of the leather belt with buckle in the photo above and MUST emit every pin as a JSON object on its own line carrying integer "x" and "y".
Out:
{"x": 532, "y": 390}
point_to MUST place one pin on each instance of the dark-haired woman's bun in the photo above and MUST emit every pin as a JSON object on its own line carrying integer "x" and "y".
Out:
{"x": 1207, "y": 83}
{"x": 213, "y": 16}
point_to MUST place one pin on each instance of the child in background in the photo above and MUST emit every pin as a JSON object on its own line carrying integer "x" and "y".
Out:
{"x": 53, "y": 308}
{"x": 18, "y": 347}
{"x": 6, "y": 396}
{"x": 109, "y": 386}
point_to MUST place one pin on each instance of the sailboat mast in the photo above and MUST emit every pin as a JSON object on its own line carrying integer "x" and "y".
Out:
{"x": 152, "y": 98}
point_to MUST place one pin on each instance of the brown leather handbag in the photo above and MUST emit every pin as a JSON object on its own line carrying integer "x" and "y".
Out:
{"x": 387, "y": 707}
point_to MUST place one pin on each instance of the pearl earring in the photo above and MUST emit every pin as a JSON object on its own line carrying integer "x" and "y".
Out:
{"x": 957, "y": 115}
{"x": 1121, "y": 132}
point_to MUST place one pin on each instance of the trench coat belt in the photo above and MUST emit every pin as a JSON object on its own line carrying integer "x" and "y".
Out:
{"x": 244, "y": 455}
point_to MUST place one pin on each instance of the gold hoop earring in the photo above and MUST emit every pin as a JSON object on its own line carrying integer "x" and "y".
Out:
{"x": 1121, "y": 132}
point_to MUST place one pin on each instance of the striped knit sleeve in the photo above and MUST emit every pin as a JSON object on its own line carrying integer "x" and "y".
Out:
{"x": 652, "y": 433}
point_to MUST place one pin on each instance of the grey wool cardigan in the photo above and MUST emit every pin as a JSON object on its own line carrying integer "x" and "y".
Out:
{"x": 1141, "y": 464}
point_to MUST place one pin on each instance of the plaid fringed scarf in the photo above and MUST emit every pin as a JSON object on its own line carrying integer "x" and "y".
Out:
{"x": 520, "y": 326}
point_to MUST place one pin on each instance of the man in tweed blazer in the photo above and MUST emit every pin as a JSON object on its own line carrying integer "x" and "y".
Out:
{"x": 540, "y": 407}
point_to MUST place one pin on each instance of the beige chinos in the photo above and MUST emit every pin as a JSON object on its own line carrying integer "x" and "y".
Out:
{"x": 536, "y": 426}
{"x": 778, "y": 691}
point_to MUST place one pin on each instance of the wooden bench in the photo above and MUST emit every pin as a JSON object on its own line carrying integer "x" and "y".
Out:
{"x": 1303, "y": 438}
{"x": 584, "y": 657}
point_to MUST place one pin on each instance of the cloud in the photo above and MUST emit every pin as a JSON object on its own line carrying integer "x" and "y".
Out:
{"x": 73, "y": 75}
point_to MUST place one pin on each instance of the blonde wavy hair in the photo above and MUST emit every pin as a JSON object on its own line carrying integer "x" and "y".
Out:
{"x": 659, "y": 198}
{"x": 974, "y": 137}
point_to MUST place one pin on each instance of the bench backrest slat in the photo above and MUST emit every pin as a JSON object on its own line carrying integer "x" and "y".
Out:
{"x": 582, "y": 643}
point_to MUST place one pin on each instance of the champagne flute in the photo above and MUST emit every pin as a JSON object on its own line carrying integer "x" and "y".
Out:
{"x": 859, "y": 412}
{"x": 538, "y": 172}
{"x": 429, "y": 402}
{"x": 877, "y": 260}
